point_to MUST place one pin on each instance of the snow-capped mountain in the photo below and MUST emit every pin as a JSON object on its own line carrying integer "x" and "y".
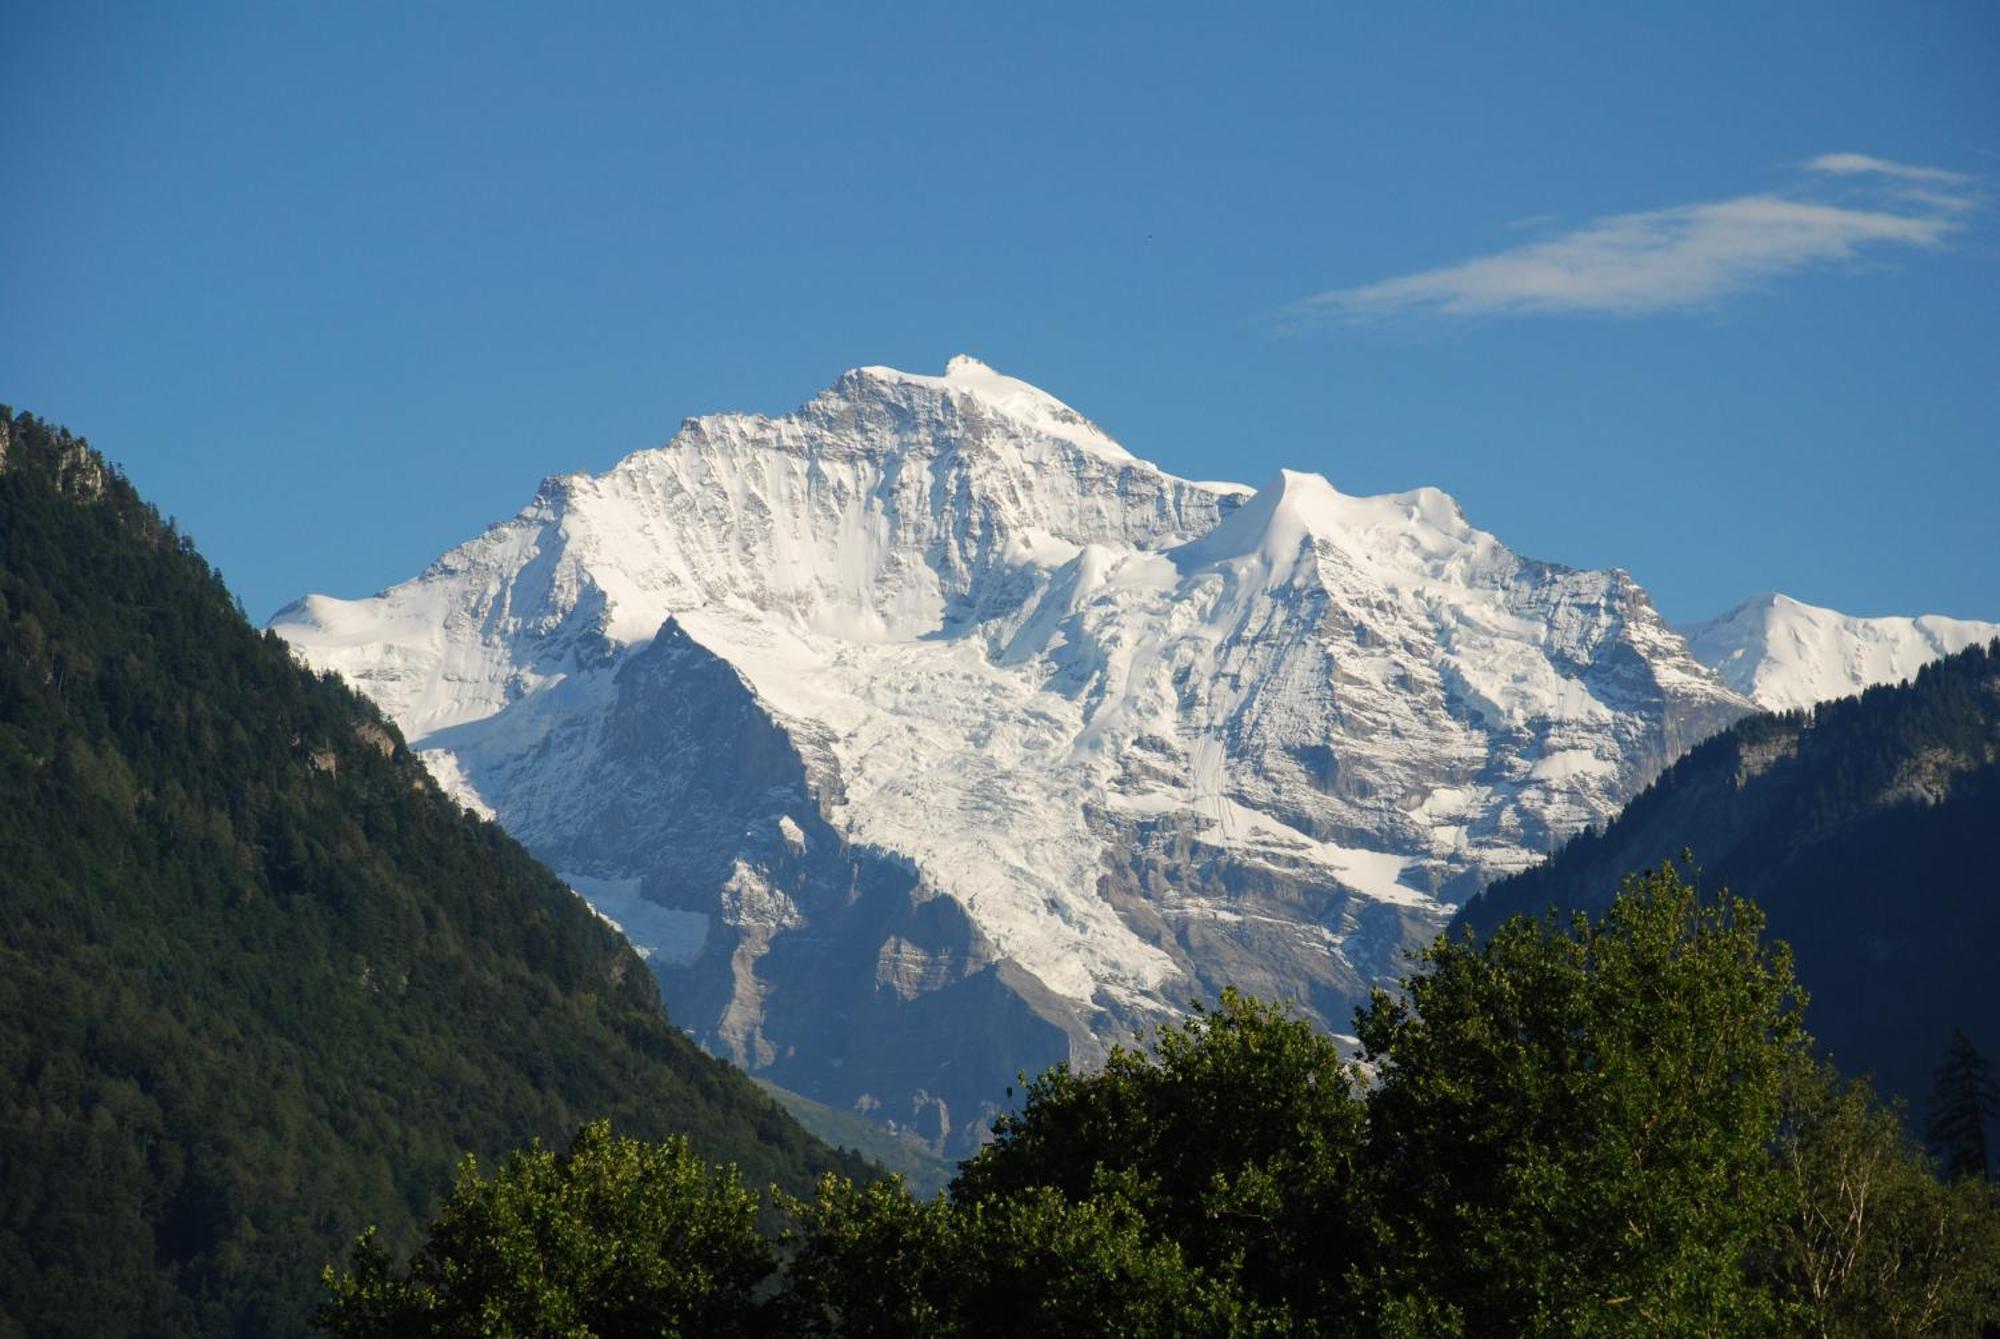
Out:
{"x": 1783, "y": 655}
{"x": 925, "y": 734}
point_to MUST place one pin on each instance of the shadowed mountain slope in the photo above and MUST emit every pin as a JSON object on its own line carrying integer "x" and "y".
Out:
{"x": 262, "y": 981}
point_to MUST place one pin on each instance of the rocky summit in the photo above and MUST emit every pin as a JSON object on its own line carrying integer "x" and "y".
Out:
{"x": 925, "y": 735}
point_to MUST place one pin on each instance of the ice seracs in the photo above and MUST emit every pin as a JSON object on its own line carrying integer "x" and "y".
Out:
{"x": 950, "y": 738}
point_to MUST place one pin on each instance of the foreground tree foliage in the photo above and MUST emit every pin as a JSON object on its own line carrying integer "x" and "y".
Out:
{"x": 616, "y": 1237}
{"x": 1874, "y": 1242}
{"x": 1593, "y": 1128}
{"x": 1572, "y": 1129}
{"x": 878, "y": 1262}
{"x": 1239, "y": 1131}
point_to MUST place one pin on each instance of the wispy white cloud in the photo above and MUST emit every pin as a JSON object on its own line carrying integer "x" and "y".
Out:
{"x": 1854, "y": 164}
{"x": 1679, "y": 257}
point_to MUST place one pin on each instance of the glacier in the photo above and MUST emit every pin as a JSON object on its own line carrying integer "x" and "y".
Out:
{"x": 932, "y": 736}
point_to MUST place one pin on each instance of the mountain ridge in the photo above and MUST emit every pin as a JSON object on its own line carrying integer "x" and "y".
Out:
{"x": 1148, "y": 736}
{"x": 1784, "y": 654}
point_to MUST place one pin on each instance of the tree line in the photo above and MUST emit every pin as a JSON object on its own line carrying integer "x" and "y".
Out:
{"x": 1608, "y": 1126}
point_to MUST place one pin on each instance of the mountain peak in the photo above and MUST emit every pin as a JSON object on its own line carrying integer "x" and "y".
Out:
{"x": 967, "y": 378}
{"x": 1785, "y": 654}
{"x": 1421, "y": 532}
{"x": 1273, "y": 526}
{"x": 1118, "y": 725}
{"x": 964, "y": 365}
{"x": 1768, "y": 602}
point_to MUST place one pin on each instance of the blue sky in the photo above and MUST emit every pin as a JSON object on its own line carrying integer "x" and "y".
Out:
{"x": 338, "y": 285}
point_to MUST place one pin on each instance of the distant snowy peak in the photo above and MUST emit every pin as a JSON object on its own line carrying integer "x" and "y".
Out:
{"x": 1783, "y": 654}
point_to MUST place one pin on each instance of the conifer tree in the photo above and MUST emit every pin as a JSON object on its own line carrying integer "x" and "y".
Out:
{"x": 1963, "y": 1098}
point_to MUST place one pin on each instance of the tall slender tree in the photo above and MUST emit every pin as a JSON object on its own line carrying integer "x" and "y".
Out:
{"x": 1963, "y": 1098}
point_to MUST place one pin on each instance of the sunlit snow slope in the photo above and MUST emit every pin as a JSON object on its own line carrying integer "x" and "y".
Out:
{"x": 948, "y": 738}
{"x": 1782, "y": 654}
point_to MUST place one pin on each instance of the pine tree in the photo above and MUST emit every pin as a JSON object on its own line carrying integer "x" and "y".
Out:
{"x": 1963, "y": 1098}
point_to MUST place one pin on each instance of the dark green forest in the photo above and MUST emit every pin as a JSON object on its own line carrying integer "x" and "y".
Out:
{"x": 1865, "y": 830}
{"x": 261, "y": 983}
{"x": 1609, "y": 1127}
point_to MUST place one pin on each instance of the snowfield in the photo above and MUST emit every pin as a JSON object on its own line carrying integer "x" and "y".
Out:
{"x": 1784, "y": 655}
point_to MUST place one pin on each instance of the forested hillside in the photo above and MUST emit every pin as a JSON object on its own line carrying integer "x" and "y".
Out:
{"x": 1866, "y": 830}
{"x": 261, "y": 983}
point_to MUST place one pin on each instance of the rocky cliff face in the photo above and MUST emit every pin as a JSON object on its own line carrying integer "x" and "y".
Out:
{"x": 926, "y": 735}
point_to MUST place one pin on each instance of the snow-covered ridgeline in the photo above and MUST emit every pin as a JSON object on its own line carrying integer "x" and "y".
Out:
{"x": 1783, "y": 654}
